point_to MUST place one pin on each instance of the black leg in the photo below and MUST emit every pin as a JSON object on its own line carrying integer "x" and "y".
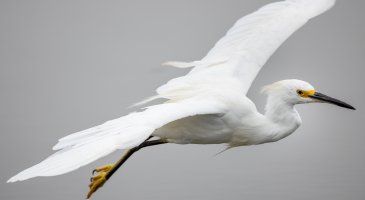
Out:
{"x": 106, "y": 172}
{"x": 130, "y": 152}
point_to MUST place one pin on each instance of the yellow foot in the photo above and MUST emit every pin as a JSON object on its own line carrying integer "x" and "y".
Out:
{"x": 98, "y": 180}
{"x": 105, "y": 168}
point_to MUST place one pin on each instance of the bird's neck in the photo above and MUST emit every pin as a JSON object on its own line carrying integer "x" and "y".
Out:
{"x": 283, "y": 116}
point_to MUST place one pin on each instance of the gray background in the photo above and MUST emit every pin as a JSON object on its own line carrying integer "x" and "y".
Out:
{"x": 69, "y": 65}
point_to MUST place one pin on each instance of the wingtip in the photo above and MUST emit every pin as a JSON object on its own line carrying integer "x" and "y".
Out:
{"x": 16, "y": 178}
{"x": 12, "y": 180}
{"x": 22, "y": 176}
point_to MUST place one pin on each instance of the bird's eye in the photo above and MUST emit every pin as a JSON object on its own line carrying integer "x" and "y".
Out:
{"x": 300, "y": 92}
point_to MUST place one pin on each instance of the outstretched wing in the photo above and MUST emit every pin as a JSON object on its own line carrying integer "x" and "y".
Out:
{"x": 81, "y": 148}
{"x": 247, "y": 46}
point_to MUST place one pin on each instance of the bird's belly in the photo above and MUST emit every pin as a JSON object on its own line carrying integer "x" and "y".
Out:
{"x": 201, "y": 129}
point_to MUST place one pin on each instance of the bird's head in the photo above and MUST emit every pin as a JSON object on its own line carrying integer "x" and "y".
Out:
{"x": 294, "y": 91}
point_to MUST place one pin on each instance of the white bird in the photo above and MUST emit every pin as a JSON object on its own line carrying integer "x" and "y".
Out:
{"x": 208, "y": 105}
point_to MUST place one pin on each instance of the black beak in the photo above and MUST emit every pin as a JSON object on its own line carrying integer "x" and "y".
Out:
{"x": 327, "y": 99}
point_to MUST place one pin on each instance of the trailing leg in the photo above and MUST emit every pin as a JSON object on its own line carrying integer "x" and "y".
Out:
{"x": 105, "y": 172}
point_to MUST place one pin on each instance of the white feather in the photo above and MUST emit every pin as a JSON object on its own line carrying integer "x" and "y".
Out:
{"x": 86, "y": 146}
{"x": 179, "y": 64}
{"x": 252, "y": 40}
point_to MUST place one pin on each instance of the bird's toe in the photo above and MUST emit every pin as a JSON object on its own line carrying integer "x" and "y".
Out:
{"x": 105, "y": 168}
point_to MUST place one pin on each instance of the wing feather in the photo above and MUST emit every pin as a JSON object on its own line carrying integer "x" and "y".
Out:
{"x": 84, "y": 147}
{"x": 252, "y": 40}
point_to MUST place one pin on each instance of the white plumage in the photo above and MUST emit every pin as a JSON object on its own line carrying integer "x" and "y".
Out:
{"x": 209, "y": 104}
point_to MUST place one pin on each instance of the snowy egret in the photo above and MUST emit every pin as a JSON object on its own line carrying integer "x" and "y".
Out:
{"x": 209, "y": 104}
